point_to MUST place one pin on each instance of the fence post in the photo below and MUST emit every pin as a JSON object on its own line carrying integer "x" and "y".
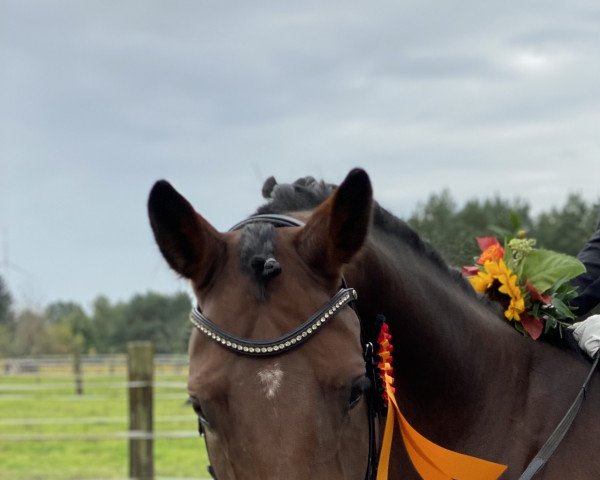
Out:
{"x": 140, "y": 367}
{"x": 78, "y": 372}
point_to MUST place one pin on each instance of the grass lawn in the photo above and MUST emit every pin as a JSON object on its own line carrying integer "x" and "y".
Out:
{"x": 35, "y": 410}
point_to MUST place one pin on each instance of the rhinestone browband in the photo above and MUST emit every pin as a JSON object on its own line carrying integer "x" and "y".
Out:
{"x": 278, "y": 345}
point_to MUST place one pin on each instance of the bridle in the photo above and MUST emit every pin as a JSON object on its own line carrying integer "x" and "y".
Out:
{"x": 346, "y": 297}
{"x": 293, "y": 339}
{"x": 278, "y": 345}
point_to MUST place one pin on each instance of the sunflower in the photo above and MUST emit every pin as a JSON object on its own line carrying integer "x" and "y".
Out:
{"x": 498, "y": 271}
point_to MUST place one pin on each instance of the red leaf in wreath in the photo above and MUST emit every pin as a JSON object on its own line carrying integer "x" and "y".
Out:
{"x": 470, "y": 270}
{"x": 486, "y": 242}
{"x": 532, "y": 325}
{"x": 537, "y": 295}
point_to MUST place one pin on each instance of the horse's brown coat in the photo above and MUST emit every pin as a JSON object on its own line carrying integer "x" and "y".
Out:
{"x": 465, "y": 379}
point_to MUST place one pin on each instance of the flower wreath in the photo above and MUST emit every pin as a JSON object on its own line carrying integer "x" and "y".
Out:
{"x": 531, "y": 284}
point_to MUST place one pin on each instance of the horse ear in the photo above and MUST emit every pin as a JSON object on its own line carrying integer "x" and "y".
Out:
{"x": 337, "y": 229}
{"x": 190, "y": 245}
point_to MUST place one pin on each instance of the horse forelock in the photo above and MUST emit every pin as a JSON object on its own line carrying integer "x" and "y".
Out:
{"x": 257, "y": 254}
{"x": 307, "y": 193}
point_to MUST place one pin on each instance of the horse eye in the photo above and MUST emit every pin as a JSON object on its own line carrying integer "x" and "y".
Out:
{"x": 195, "y": 403}
{"x": 359, "y": 387}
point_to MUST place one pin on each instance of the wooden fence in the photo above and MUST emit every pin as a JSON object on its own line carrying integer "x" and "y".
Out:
{"x": 140, "y": 366}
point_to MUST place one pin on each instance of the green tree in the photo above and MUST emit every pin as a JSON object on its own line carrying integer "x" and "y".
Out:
{"x": 58, "y": 311}
{"x": 161, "y": 319}
{"x": 29, "y": 336}
{"x": 6, "y": 313}
{"x": 452, "y": 231}
{"x": 69, "y": 316}
{"x": 566, "y": 229}
{"x": 60, "y": 339}
{"x": 7, "y": 326}
{"x": 435, "y": 220}
{"x": 107, "y": 320}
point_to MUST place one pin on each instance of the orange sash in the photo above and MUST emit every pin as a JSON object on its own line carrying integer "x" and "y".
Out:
{"x": 431, "y": 461}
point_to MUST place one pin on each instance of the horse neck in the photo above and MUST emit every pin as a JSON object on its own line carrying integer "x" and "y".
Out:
{"x": 464, "y": 378}
{"x": 447, "y": 344}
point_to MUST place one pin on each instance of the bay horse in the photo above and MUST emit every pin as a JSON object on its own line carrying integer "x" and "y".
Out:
{"x": 464, "y": 379}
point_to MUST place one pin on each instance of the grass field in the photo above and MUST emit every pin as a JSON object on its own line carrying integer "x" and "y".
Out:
{"x": 49, "y": 433}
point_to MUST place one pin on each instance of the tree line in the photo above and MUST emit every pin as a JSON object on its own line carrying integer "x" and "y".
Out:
{"x": 65, "y": 327}
{"x": 452, "y": 229}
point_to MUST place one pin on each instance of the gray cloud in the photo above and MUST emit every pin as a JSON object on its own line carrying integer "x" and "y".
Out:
{"x": 101, "y": 99}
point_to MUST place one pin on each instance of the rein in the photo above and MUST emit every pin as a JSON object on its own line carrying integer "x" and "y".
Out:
{"x": 544, "y": 454}
{"x": 277, "y": 346}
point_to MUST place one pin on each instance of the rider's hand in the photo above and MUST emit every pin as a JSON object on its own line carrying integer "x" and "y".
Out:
{"x": 587, "y": 334}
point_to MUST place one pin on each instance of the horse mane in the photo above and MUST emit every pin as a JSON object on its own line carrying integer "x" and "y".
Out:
{"x": 307, "y": 193}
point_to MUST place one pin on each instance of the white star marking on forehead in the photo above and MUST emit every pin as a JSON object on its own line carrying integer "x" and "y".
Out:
{"x": 270, "y": 377}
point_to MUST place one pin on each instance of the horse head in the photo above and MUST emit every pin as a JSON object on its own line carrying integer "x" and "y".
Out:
{"x": 299, "y": 412}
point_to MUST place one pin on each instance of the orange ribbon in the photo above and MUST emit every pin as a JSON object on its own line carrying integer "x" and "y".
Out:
{"x": 430, "y": 460}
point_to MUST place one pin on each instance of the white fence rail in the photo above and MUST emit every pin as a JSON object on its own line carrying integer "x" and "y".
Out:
{"x": 99, "y": 375}
{"x": 55, "y": 365}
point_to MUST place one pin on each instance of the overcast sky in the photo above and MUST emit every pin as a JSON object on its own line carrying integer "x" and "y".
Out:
{"x": 101, "y": 98}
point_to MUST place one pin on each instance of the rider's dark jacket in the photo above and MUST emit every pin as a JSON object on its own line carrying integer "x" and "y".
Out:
{"x": 588, "y": 283}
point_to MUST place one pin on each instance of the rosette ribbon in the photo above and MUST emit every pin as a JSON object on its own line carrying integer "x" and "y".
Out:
{"x": 430, "y": 460}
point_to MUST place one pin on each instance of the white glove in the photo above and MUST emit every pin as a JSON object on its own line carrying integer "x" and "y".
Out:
{"x": 587, "y": 334}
